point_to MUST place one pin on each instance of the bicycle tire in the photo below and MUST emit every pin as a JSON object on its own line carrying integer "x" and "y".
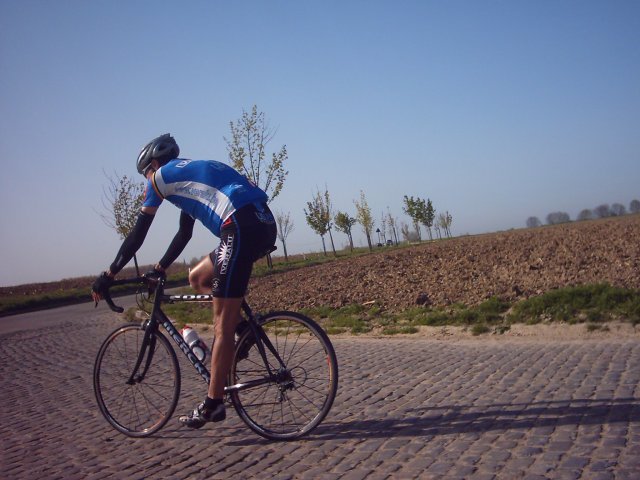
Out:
{"x": 272, "y": 410}
{"x": 142, "y": 408}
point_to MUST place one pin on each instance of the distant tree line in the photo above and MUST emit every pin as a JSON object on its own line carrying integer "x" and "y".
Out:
{"x": 601, "y": 211}
{"x": 321, "y": 218}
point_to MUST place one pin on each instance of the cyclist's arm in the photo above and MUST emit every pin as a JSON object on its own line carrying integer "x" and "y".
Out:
{"x": 134, "y": 240}
{"x": 178, "y": 243}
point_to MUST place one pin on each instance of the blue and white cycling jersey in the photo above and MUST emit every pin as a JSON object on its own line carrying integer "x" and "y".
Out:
{"x": 208, "y": 190}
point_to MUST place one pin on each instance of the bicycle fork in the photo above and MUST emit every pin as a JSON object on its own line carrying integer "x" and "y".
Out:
{"x": 148, "y": 343}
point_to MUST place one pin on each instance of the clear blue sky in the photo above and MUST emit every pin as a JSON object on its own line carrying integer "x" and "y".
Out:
{"x": 495, "y": 110}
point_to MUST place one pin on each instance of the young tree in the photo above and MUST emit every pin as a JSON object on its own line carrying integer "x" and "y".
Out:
{"x": 344, "y": 223}
{"x": 407, "y": 234}
{"x": 421, "y": 212}
{"x": 412, "y": 208}
{"x": 404, "y": 230}
{"x": 250, "y": 136}
{"x": 318, "y": 217}
{"x": 285, "y": 227}
{"x": 122, "y": 199}
{"x": 444, "y": 221}
{"x": 364, "y": 217}
{"x": 426, "y": 214}
{"x": 383, "y": 228}
{"x": 634, "y": 206}
{"x": 449, "y": 219}
{"x": 393, "y": 232}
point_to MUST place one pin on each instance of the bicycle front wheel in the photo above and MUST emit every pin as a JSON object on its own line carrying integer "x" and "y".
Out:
{"x": 141, "y": 404}
{"x": 299, "y": 399}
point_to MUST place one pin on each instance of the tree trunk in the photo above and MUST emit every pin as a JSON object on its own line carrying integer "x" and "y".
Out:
{"x": 284, "y": 247}
{"x": 333, "y": 247}
{"x": 324, "y": 248}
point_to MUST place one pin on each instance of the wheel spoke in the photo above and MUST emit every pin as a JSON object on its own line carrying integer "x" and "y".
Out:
{"x": 303, "y": 393}
{"x": 143, "y": 407}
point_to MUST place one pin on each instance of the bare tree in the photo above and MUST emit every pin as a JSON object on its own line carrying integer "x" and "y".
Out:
{"x": 383, "y": 228}
{"x": 617, "y": 209}
{"x": 585, "y": 214}
{"x": 122, "y": 199}
{"x": 555, "y": 218}
{"x": 364, "y": 217}
{"x": 407, "y": 234}
{"x": 634, "y": 206}
{"x": 250, "y": 136}
{"x": 602, "y": 211}
{"x": 533, "y": 222}
{"x": 285, "y": 227}
{"x": 393, "y": 223}
{"x": 444, "y": 220}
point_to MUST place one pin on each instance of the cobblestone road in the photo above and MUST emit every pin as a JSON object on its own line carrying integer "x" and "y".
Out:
{"x": 406, "y": 408}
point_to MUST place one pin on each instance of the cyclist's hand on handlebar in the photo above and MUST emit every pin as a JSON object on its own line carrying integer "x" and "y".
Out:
{"x": 155, "y": 274}
{"x": 101, "y": 285}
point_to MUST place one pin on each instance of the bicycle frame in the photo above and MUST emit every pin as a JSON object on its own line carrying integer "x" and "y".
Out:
{"x": 158, "y": 317}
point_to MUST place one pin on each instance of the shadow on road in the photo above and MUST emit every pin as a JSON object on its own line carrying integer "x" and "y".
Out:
{"x": 455, "y": 419}
{"x": 446, "y": 420}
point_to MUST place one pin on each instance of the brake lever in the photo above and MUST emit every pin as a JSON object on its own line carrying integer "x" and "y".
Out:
{"x": 112, "y": 306}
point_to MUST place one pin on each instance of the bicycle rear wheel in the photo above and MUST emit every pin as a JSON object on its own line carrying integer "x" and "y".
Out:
{"x": 295, "y": 403}
{"x": 140, "y": 407}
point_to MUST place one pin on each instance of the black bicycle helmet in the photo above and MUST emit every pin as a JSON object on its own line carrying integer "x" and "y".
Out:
{"x": 163, "y": 149}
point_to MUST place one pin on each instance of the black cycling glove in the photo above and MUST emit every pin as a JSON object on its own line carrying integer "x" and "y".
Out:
{"x": 155, "y": 274}
{"x": 102, "y": 283}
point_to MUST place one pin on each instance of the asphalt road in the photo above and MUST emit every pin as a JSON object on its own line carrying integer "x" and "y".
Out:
{"x": 406, "y": 408}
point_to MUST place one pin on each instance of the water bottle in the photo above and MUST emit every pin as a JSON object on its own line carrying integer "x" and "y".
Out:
{"x": 198, "y": 347}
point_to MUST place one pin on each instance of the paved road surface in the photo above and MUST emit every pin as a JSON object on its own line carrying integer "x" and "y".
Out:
{"x": 406, "y": 408}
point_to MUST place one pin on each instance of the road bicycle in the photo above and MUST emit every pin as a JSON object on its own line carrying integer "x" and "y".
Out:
{"x": 282, "y": 383}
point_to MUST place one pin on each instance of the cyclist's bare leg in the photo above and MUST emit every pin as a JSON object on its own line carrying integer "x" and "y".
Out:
{"x": 226, "y": 313}
{"x": 201, "y": 276}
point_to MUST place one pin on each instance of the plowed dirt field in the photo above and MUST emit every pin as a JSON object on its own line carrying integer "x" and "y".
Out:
{"x": 512, "y": 265}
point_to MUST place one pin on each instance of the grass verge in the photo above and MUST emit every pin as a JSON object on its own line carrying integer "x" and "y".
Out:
{"x": 593, "y": 305}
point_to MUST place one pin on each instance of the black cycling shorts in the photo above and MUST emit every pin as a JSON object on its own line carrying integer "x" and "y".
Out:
{"x": 248, "y": 234}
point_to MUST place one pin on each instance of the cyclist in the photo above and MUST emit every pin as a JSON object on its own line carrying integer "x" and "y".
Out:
{"x": 233, "y": 209}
